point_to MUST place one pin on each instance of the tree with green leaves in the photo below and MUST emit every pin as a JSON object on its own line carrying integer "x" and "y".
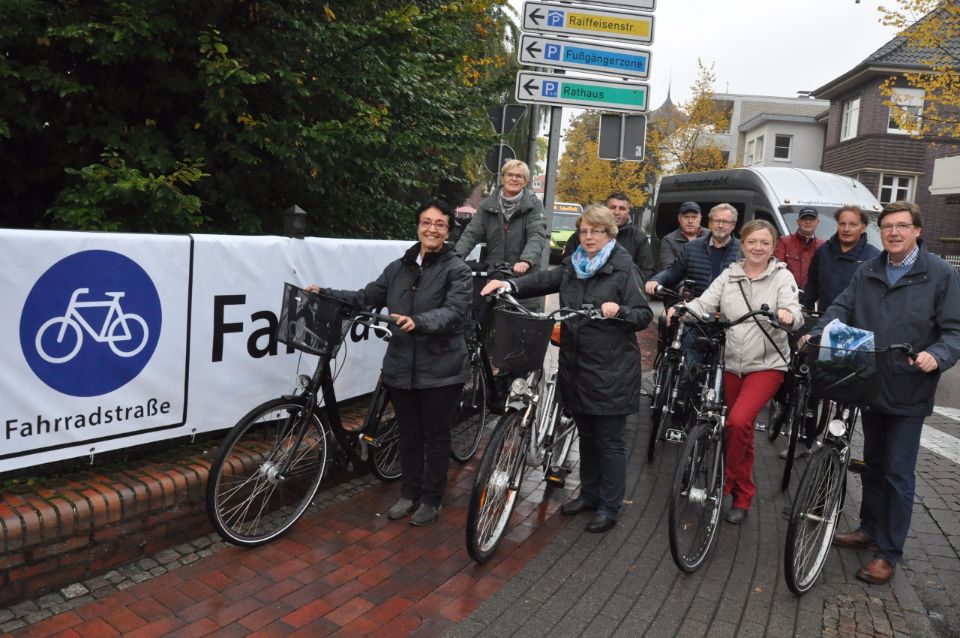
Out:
{"x": 214, "y": 116}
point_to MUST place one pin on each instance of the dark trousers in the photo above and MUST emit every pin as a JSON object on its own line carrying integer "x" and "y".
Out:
{"x": 890, "y": 447}
{"x": 425, "y": 418}
{"x": 603, "y": 461}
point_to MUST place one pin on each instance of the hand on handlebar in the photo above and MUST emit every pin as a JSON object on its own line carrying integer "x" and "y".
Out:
{"x": 609, "y": 309}
{"x": 493, "y": 286}
{"x": 313, "y": 288}
{"x": 925, "y": 361}
{"x": 651, "y": 287}
{"x": 521, "y": 267}
{"x": 784, "y": 317}
{"x": 406, "y": 324}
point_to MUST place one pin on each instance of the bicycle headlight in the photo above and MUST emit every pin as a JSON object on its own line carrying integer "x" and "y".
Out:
{"x": 675, "y": 345}
{"x": 837, "y": 427}
{"x": 519, "y": 386}
{"x": 303, "y": 381}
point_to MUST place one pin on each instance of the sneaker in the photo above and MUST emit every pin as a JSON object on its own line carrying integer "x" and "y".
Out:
{"x": 425, "y": 514}
{"x": 401, "y": 508}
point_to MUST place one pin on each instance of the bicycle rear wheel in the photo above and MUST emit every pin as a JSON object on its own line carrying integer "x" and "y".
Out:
{"x": 697, "y": 497}
{"x": 471, "y": 415}
{"x": 381, "y": 435}
{"x": 496, "y": 486}
{"x": 666, "y": 379}
{"x": 813, "y": 519}
{"x": 248, "y": 501}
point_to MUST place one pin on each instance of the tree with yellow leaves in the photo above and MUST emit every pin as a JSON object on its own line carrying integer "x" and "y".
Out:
{"x": 931, "y": 28}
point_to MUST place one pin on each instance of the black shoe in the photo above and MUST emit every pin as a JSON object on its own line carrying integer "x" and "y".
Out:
{"x": 600, "y": 524}
{"x": 576, "y": 506}
{"x": 425, "y": 514}
{"x": 736, "y": 515}
{"x": 401, "y": 508}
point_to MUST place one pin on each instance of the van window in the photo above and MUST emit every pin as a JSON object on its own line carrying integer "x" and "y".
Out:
{"x": 828, "y": 225}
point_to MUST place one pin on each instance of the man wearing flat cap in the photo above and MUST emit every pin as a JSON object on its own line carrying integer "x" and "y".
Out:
{"x": 797, "y": 249}
{"x": 672, "y": 244}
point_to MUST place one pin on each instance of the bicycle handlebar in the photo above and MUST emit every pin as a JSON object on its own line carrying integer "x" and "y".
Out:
{"x": 905, "y": 348}
{"x": 716, "y": 318}
{"x": 560, "y": 314}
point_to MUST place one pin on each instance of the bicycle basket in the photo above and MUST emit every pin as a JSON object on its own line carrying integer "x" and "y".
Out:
{"x": 311, "y": 322}
{"x": 844, "y": 375}
{"x": 519, "y": 341}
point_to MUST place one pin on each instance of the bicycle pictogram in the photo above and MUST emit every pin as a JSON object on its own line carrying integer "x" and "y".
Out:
{"x": 119, "y": 328}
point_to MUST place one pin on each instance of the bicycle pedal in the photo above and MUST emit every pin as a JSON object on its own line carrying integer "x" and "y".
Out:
{"x": 675, "y": 435}
{"x": 857, "y": 466}
{"x": 554, "y": 479}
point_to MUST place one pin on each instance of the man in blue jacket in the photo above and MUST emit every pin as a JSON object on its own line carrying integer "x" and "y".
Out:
{"x": 906, "y": 294}
{"x": 835, "y": 262}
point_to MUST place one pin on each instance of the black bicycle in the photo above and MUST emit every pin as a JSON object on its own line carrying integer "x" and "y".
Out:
{"x": 666, "y": 404}
{"x": 697, "y": 494}
{"x": 848, "y": 379}
{"x": 270, "y": 464}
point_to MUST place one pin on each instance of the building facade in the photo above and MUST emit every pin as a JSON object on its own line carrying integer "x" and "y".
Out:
{"x": 864, "y": 140}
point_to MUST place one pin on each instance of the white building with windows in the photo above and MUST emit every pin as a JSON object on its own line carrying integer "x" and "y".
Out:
{"x": 772, "y": 131}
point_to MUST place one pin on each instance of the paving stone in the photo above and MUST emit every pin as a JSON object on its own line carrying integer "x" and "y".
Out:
{"x": 73, "y": 591}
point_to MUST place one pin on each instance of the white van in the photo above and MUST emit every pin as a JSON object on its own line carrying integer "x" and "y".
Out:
{"x": 770, "y": 193}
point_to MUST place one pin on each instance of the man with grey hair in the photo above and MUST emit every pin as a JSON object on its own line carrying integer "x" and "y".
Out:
{"x": 704, "y": 258}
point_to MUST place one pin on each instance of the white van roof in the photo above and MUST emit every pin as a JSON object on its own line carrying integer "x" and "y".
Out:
{"x": 804, "y": 187}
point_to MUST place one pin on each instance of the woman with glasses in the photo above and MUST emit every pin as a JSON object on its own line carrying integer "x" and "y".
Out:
{"x": 511, "y": 222}
{"x": 599, "y": 373}
{"x": 756, "y": 355}
{"x": 428, "y": 291}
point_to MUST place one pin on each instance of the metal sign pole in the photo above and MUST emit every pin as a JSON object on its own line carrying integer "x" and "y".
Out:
{"x": 623, "y": 133}
{"x": 550, "y": 176}
{"x": 503, "y": 125}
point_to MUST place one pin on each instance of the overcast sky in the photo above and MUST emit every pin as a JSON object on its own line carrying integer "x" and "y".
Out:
{"x": 759, "y": 47}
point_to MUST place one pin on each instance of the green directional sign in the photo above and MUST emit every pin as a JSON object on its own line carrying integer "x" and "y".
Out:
{"x": 561, "y": 90}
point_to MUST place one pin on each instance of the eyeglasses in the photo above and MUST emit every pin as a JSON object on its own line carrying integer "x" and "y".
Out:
{"x": 427, "y": 225}
{"x": 590, "y": 232}
{"x": 723, "y": 222}
{"x": 902, "y": 227}
{"x": 514, "y": 176}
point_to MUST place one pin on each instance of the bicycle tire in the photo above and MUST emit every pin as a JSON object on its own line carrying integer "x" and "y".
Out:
{"x": 796, "y": 420}
{"x": 661, "y": 412}
{"x": 813, "y": 519}
{"x": 565, "y": 435}
{"x": 384, "y": 458}
{"x": 775, "y": 414}
{"x": 696, "y": 499}
{"x": 496, "y": 487}
{"x": 471, "y": 415}
{"x": 247, "y": 503}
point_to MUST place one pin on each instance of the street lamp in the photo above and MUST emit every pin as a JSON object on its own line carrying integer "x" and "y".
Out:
{"x": 295, "y": 222}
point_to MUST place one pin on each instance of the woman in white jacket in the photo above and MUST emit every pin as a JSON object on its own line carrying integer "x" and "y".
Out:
{"x": 757, "y": 354}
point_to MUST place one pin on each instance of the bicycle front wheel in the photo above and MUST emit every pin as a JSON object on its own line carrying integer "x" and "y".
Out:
{"x": 496, "y": 486}
{"x": 796, "y": 418}
{"x": 696, "y": 498}
{"x": 813, "y": 519}
{"x": 471, "y": 415}
{"x": 666, "y": 379}
{"x": 266, "y": 472}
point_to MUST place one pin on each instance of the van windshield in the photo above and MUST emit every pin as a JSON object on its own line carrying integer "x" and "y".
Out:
{"x": 828, "y": 225}
{"x": 564, "y": 221}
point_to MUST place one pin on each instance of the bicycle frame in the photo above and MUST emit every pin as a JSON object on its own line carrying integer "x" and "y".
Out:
{"x": 73, "y": 314}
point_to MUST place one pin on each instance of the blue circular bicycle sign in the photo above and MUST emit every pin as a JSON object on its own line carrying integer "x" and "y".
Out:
{"x": 90, "y": 323}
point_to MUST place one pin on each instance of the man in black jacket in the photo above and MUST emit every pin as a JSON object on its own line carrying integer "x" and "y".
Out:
{"x": 629, "y": 235}
{"x": 906, "y": 294}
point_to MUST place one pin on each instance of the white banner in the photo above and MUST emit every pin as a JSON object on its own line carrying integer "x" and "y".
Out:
{"x": 122, "y": 339}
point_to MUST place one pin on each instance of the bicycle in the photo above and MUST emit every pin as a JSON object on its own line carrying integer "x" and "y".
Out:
{"x": 534, "y": 431}
{"x": 270, "y": 464}
{"x": 116, "y": 328}
{"x": 697, "y": 492}
{"x": 668, "y": 376}
{"x": 848, "y": 381}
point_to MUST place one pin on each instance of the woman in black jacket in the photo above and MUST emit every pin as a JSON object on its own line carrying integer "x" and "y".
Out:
{"x": 428, "y": 291}
{"x": 599, "y": 378}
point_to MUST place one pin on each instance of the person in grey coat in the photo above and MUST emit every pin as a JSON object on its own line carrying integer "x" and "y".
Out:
{"x": 599, "y": 368}
{"x": 688, "y": 229}
{"x": 428, "y": 291}
{"x": 511, "y": 222}
{"x": 904, "y": 295}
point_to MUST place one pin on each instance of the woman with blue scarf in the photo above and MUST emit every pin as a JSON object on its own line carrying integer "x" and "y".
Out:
{"x": 599, "y": 374}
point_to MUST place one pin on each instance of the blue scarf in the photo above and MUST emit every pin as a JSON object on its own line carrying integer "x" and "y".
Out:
{"x": 587, "y": 267}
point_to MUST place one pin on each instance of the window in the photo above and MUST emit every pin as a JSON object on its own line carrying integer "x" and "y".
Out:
{"x": 759, "y": 154}
{"x": 849, "y": 119}
{"x": 908, "y": 104}
{"x": 781, "y": 147}
{"x": 748, "y": 154}
{"x": 895, "y": 188}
